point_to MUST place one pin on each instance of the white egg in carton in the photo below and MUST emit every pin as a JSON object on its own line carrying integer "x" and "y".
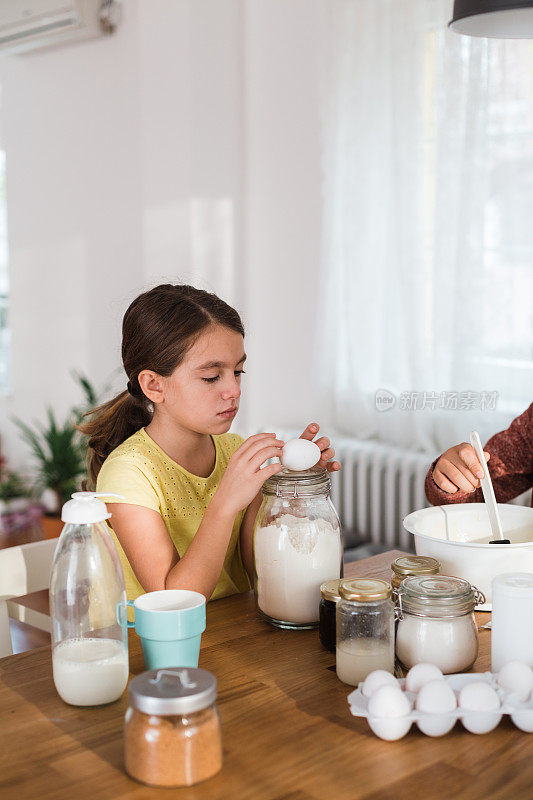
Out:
{"x": 434, "y": 702}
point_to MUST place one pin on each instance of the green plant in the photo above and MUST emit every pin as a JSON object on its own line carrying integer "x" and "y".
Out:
{"x": 13, "y": 485}
{"x": 59, "y": 449}
{"x": 59, "y": 454}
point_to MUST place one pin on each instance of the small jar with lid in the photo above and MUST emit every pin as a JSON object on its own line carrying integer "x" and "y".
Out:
{"x": 436, "y": 622}
{"x": 172, "y": 729}
{"x": 406, "y": 566}
{"x": 365, "y": 629}
{"x": 297, "y": 546}
{"x": 327, "y": 625}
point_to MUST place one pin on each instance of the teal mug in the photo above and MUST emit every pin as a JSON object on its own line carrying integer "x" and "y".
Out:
{"x": 169, "y": 624}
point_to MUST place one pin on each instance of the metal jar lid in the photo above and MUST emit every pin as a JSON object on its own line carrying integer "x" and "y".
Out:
{"x": 415, "y": 565}
{"x": 438, "y": 596}
{"x": 167, "y": 692}
{"x": 289, "y": 483}
{"x": 330, "y": 590}
{"x": 364, "y": 590}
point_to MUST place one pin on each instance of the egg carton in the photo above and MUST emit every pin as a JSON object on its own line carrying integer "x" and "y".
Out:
{"x": 438, "y": 724}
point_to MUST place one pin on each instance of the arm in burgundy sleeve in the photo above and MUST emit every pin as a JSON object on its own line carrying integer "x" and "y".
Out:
{"x": 438, "y": 497}
{"x": 510, "y": 465}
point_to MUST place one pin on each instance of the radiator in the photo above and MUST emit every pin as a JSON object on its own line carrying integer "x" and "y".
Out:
{"x": 376, "y": 488}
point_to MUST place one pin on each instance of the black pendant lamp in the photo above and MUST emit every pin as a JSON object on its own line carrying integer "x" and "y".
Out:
{"x": 495, "y": 19}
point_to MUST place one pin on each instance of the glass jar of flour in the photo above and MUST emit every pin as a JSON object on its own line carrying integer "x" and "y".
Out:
{"x": 436, "y": 622}
{"x": 297, "y": 547}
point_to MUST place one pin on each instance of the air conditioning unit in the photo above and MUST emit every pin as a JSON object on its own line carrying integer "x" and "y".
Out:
{"x": 27, "y": 25}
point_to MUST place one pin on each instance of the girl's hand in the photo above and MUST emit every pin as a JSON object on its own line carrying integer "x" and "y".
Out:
{"x": 459, "y": 469}
{"x": 243, "y": 477}
{"x": 324, "y": 444}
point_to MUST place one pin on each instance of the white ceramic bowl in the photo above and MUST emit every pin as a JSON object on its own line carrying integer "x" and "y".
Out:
{"x": 458, "y": 536}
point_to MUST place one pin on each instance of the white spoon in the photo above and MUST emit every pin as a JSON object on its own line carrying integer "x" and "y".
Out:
{"x": 488, "y": 493}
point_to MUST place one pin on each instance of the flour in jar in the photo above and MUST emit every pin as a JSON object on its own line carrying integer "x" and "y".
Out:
{"x": 450, "y": 644}
{"x": 293, "y": 557}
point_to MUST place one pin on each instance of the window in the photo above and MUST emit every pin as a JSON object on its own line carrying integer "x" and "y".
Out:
{"x": 502, "y": 137}
{"x": 427, "y": 282}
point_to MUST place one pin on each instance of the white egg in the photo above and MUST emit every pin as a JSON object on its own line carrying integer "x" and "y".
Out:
{"x": 388, "y": 702}
{"x": 374, "y": 680}
{"x": 437, "y": 699}
{"x": 300, "y": 454}
{"x": 390, "y": 729}
{"x": 516, "y": 677}
{"x": 421, "y": 674}
{"x": 481, "y": 698}
{"x": 388, "y": 711}
{"x": 523, "y": 720}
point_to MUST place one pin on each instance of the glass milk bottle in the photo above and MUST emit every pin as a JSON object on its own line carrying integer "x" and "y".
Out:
{"x": 297, "y": 547}
{"x": 88, "y": 607}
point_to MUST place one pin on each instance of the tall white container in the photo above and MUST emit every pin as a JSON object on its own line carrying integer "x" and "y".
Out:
{"x": 88, "y": 607}
{"x": 512, "y": 618}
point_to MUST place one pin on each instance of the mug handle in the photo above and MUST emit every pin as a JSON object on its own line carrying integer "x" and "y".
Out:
{"x": 130, "y": 603}
{"x": 120, "y": 613}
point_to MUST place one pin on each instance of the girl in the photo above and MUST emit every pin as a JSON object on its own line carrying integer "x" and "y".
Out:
{"x": 190, "y": 489}
{"x": 455, "y": 476}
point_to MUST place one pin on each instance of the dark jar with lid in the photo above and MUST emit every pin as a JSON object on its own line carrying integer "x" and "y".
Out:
{"x": 327, "y": 625}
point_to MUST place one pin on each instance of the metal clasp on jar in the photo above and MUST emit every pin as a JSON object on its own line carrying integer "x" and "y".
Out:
{"x": 398, "y": 609}
{"x": 479, "y": 597}
{"x": 294, "y": 494}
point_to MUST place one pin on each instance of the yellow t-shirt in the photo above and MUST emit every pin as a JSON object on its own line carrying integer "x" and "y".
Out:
{"x": 145, "y": 475}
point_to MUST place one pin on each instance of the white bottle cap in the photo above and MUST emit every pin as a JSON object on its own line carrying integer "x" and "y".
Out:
{"x": 85, "y": 508}
{"x": 513, "y": 584}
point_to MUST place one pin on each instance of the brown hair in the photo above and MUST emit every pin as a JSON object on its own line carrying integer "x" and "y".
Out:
{"x": 157, "y": 330}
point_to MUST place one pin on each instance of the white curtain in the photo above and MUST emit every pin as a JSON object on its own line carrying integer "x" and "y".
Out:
{"x": 427, "y": 279}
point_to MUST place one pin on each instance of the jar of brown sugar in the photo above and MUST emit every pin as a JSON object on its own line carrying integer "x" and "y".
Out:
{"x": 172, "y": 731}
{"x": 407, "y": 566}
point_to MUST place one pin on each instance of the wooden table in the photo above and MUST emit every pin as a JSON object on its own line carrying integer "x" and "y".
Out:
{"x": 288, "y": 734}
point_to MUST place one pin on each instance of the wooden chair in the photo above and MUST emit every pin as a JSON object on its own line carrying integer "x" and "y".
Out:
{"x": 23, "y": 569}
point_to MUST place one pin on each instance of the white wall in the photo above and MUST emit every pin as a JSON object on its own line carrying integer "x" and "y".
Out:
{"x": 283, "y": 206}
{"x": 185, "y": 147}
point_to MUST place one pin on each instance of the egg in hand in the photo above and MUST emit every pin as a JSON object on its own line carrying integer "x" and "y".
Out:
{"x": 300, "y": 454}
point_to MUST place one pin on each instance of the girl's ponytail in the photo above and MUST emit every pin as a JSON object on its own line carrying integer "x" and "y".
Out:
{"x": 109, "y": 425}
{"x": 157, "y": 330}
